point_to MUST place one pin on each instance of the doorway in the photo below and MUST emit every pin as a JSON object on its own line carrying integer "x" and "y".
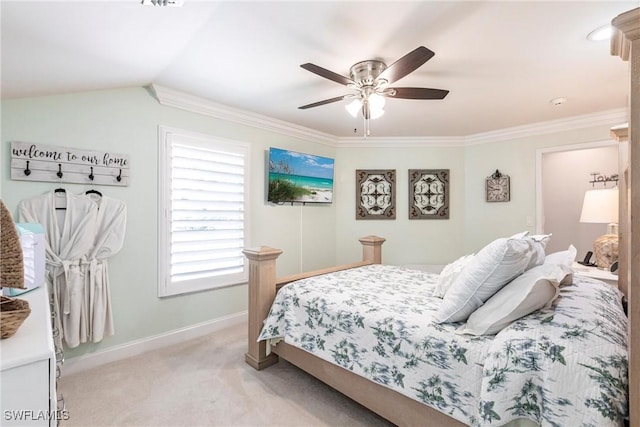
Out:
{"x": 563, "y": 175}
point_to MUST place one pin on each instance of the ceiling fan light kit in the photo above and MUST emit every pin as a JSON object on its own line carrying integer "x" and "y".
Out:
{"x": 374, "y": 102}
{"x": 371, "y": 79}
{"x": 170, "y": 3}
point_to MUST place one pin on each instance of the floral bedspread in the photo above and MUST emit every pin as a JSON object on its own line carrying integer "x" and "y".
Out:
{"x": 565, "y": 366}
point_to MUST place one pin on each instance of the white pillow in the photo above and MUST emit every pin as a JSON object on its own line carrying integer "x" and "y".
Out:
{"x": 539, "y": 242}
{"x": 449, "y": 274}
{"x": 532, "y": 290}
{"x": 489, "y": 270}
{"x": 562, "y": 257}
{"x": 520, "y": 235}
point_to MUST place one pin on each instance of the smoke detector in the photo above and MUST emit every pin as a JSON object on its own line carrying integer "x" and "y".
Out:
{"x": 558, "y": 101}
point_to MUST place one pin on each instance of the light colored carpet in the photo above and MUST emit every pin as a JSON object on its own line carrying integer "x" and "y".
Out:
{"x": 205, "y": 382}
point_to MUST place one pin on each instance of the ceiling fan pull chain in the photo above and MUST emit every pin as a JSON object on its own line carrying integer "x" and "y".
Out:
{"x": 367, "y": 132}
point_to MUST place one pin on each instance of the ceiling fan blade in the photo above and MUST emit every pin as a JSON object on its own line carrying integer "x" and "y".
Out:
{"x": 418, "y": 93}
{"x": 323, "y": 72}
{"x": 406, "y": 65}
{"x": 326, "y": 101}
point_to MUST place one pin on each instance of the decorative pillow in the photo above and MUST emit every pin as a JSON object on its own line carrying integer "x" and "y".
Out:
{"x": 562, "y": 257}
{"x": 539, "y": 242}
{"x": 532, "y": 290}
{"x": 449, "y": 274}
{"x": 488, "y": 271}
{"x": 520, "y": 235}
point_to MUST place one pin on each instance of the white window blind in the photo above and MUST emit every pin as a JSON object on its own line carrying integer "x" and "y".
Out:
{"x": 204, "y": 198}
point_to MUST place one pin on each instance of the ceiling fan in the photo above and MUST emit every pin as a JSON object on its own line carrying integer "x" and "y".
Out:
{"x": 371, "y": 79}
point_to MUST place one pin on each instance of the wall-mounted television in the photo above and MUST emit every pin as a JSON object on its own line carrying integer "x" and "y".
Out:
{"x": 299, "y": 177}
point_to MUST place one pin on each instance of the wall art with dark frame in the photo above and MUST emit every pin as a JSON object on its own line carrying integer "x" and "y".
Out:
{"x": 375, "y": 194}
{"x": 428, "y": 193}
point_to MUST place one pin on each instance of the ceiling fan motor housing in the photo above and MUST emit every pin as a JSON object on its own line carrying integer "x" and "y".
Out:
{"x": 365, "y": 73}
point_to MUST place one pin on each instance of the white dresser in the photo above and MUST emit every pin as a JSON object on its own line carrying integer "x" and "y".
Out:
{"x": 28, "y": 368}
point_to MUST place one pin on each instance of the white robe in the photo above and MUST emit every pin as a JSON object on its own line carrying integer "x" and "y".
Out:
{"x": 69, "y": 237}
{"x": 108, "y": 240}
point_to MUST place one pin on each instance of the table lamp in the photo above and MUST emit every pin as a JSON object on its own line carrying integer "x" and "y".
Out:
{"x": 601, "y": 206}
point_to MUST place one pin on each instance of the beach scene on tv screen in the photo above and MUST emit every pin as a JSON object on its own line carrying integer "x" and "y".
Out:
{"x": 299, "y": 177}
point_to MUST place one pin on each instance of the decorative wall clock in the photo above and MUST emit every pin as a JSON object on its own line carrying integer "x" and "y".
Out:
{"x": 428, "y": 193}
{"x": 375, "y": 194}
{"x": 498, "y": 187}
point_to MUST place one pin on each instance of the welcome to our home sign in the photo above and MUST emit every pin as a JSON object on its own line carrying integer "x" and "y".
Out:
{"x": 37, "y": 162}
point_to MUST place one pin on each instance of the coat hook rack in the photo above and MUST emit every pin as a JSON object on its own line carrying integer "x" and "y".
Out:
{"x": 68, "y": 165}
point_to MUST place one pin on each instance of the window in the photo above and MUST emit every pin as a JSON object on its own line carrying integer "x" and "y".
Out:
{"x": 203, "y": 212}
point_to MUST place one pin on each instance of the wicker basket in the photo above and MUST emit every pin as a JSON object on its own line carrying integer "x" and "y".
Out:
{"x": 13, "y": 312}
{"x": 11, "y": 257}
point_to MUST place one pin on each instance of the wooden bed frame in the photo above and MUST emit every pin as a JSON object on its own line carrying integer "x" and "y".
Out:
{"x": 402, "y": 410}
{"x": 625, "y": 43}
{"x": 263, "y": 285}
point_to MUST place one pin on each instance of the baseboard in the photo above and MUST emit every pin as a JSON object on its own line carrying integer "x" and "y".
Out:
{"x": 134, "y": 348}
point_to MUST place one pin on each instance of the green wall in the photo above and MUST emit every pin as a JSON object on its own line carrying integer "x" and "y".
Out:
{"x": 515, "y": 157}
{"x": 126, "y": 121}
{"x": 408, "y": 241}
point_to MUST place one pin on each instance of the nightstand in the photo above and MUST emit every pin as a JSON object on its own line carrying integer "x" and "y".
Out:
{"x": 595, "y": 273}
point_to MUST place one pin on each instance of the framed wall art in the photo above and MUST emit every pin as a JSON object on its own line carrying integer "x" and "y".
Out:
{"x": 376, "y": 194}
{"x": 497, "y": 187}
{"x": 428, "y": 193}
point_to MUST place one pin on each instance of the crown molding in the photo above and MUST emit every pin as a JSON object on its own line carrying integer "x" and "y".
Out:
{"x": 621, "y": 132}
{"x": 401, "y": 142}
{"x": 196, "y": 104}
{"x": 625, "y": 30}
{"x": 603, "y": 118}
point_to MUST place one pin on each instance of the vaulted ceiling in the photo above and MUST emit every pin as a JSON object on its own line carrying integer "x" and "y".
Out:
{"x": 503, "y": 62}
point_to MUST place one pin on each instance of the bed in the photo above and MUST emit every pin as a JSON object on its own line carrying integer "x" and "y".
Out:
{"x": 562, "y": 365}
{"x": 549, "y": 340}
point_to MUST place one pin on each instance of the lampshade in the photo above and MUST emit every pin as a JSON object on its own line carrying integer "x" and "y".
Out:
{"x": 600, "y": 206}
{"x": 354, "y": 107}
{"x": 376, "y": 104}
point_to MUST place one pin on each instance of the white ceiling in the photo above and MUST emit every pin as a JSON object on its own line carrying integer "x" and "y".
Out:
{"x": 502, "y": 61}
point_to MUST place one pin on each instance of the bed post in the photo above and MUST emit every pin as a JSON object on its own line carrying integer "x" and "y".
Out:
{"x": 262, "y": 292}
{"x": 372, "y": 249}
{"x": 626, "y": 44}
